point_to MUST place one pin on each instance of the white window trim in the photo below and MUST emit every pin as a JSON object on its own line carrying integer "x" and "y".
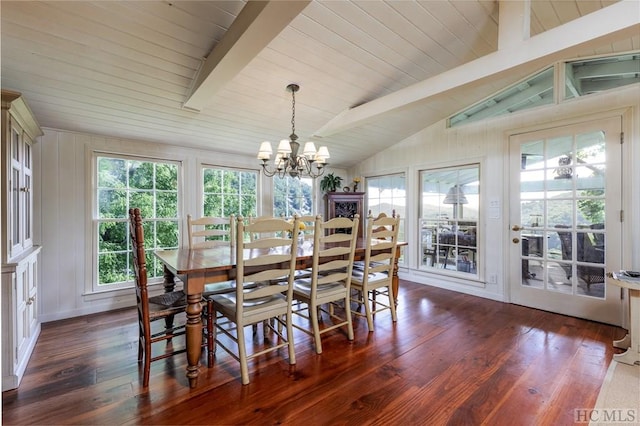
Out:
{"x": 91, "y": 289}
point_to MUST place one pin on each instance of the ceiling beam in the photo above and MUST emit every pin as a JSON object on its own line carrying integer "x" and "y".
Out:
{"x": 617, "y": 21}
{"x": 257, "y": 24}
{"x": 514, "y": 22}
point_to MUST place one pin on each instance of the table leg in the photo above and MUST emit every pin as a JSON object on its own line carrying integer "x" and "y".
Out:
{"x": 169, "y": 280}
{"x": 193, "y": 336}
{"x": 632, "y": 340}
{"x": 193, "y": 287}
{"x": 169, "y": 286}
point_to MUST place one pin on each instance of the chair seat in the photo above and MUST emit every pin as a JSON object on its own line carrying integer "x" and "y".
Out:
{"x": 218, "y": 288}
{"x": 304, "y": 287}
{"x": 251, "y": 307}
{"x": 358, "y": 276}
{"x": 167, "y": 300}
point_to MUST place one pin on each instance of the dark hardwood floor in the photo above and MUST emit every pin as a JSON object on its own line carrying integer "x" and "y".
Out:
{"x": 450, "y": 359}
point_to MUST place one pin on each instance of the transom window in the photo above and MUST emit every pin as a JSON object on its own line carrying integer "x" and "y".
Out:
{"x": 581, "y": 77}
{"x": 128, "y": 182}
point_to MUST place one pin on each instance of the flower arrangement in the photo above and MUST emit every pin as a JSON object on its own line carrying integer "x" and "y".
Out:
{"x": 356, "y": 181}
{"x": 301, "y": 226}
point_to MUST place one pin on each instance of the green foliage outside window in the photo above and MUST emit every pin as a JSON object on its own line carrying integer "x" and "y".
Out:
{"x": 292, "y": 196}
{"x": 230, "y": 192}
{"x": 125, "y": 183}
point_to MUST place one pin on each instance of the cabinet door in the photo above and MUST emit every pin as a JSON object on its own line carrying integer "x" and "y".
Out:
{"x": 14, "y": 208}
{"x": 22, "y": 325}
{"x": 20, "y": 200}
{"x": 27, "y": 194}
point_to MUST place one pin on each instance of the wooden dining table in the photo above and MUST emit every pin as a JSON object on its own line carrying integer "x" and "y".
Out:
{"x": 197, "y": 267}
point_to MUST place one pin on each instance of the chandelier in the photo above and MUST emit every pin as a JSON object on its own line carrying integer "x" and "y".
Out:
{"x": 287, "y": 162}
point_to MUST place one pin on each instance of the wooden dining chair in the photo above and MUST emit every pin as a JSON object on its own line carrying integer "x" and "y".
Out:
{"x": 330, "y": 280}
{"x": 376, "y": 276}
{"x": 207, "y": 231}
{"x": 266, "y": 260}
{"x": 151, "y": 310}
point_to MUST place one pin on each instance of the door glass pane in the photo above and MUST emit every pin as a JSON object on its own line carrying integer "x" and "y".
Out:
{"x": 562, "y": 214}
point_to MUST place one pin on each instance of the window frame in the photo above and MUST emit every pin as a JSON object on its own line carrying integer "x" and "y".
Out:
{"x": 96, "y": 220}
{"x": 289, "y": 180}
{"x": 469, "y": 227}
{"x": 369, "y": 180}
{"x": 202, "y": 193}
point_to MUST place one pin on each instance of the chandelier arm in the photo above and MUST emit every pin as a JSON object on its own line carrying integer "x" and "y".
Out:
{"x": 292, "y": 164}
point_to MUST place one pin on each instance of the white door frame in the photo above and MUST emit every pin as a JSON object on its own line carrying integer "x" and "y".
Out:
{"x": 609, "y": 310}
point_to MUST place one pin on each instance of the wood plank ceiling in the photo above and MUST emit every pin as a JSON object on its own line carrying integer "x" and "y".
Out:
{"x": 126, "y": 68}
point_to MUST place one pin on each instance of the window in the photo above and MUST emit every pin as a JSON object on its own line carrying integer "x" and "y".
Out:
{"x": 450, "y": 201}
{"x": 386, "y": 194}
{"x": 292, "y": 196}
{"x": 124, "y": 183}
{"x": 597, "y": 75}
{"x": 534, "y": 91}
{"x": 581, "y": 77}
{"x": 229, "y": 192}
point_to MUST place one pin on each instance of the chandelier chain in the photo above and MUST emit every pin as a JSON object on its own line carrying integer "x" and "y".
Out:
{"x": 289, "y": 160}
{"x": 293, "y": 112}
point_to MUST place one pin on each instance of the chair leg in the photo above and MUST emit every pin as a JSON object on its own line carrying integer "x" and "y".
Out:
{"x": 392, "y": 305}
{"x": 313, "y": 315}
{"x": 211, "y": 334}
{"x": 347, "y": 313}
{"x": 147, "y": 363}
{"x": 242, "y": 355}
{"x": 292, "y": 352}
{"x": 168, "y": 325}
{"x": 367, "y": 309}
{"x": 140, "y": 349}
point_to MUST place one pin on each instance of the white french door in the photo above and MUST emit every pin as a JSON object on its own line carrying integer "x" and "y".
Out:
{"x": 565, "y": 199}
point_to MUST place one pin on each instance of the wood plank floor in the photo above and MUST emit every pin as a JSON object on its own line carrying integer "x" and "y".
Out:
{"x": 450, "y": 359}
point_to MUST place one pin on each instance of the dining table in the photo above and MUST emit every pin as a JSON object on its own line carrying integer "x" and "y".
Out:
{"x": 197, "y": 267}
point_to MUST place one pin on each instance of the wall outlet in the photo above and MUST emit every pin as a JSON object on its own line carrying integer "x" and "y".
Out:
{"x": 492, "y": 279}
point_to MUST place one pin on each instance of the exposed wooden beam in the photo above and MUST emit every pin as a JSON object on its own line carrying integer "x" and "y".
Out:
{"x": 514, "y": 22}
{"x": 614, "y": 22}
{"x": 258, "y": 23}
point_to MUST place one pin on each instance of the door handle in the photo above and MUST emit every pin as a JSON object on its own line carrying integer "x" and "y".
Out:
{"x": 516, "y": 240}
{"x": 516, "y": 228}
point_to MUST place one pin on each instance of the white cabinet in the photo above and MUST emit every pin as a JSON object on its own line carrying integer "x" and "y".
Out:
{"x": 20, "y": 279}
{"x": 20, "y": 324}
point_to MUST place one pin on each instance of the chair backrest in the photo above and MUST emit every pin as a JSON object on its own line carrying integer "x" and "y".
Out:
{"x": 565, "y": 242}
{"x": 136, "y": 232}
{"x": 206, "y": 232}
{"x": 589, "y": 250}
{"x": 381, "y": 241}
{"x": 254, "y": 235}
{"x": 307, "y": 225}
{"x": 334, "y": 252}
{"x": 269, "y": 258}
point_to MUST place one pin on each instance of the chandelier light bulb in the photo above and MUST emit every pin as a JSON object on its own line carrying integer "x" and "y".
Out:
{"x": 288, "y": 161}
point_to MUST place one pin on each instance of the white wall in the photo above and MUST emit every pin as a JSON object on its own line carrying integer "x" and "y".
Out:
{"x": 486, "y": 142}
{"x": 66, "y": 182}
{"x": 64, "y": 219}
